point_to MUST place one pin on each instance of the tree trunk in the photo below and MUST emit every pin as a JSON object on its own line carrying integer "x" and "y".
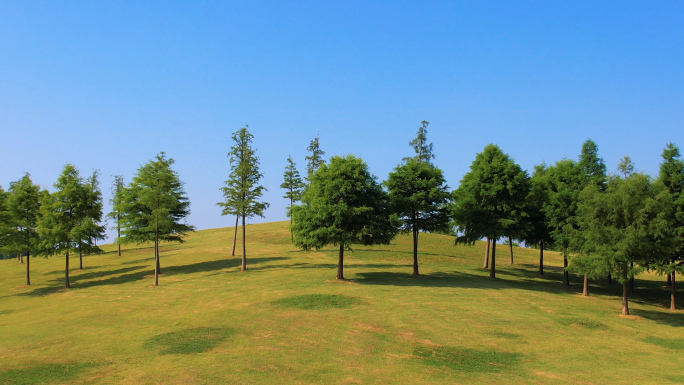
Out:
{"x": 119, "y": 247}
{"x": 118, "y": 230}
{"x": 610, "y": 279}
{"x": 291, "y": 233}
{"x": 510, "y": 248}
{"x": 244, "y": 247}
{"x": 585, "y": 292}
{"x": 21, "y": 258}
{"x": 28, "y": 278}
{"x": 625, "y": 306}
{"x": 415, "y": 251}
{"x": 673, "y": 306}
{"x": 340, "y": 263}
{"x": 156, "y": 255}
{"x": 80, "y": 258}
{"x": 237, "y": 218}
{"x": 566, "y": 277}
{"x": 541, "y": 258}
{"x": 669, "y": 280}
{"x": 631, "y": 278}
{"x": 492, "y": 271}
{"x": 486, "y": 261}
{"x": 66, "y": 272}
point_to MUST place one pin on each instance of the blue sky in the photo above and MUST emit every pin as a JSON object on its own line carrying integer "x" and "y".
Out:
{"x": 107, "y": 85}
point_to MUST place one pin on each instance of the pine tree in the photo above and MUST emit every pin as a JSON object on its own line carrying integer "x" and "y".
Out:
{"x": 315, "y": 160}
{"x": 538, "y": 233}
{"x": 293, "y": 186}
{"x": 6, "y": 225}
{"x": 90, "y": 228}
{"x": 23, "y": 206}
{"x": 154, "y": 207}
{"x": 490, "y": 199}
{"x": 591, "y": 166}
{"x": 242, "y": 190}
{"x": 117, "y": 189}
{"x": 422, "y": 148}
{"x": 343, "y": 206}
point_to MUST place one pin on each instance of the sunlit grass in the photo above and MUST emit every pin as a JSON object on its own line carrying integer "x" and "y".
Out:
{"x": 287, "y": 320}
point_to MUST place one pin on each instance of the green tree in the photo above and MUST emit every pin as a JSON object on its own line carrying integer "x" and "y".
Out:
{"x": 90, "y": 228}
{"x": 672, "y": 178}
{"x": 490, "y": 199}
{"x": 6, "y": 225}
{"x": 591, "y": 166}
{"x": 242, "y": 190}
{"x": 419, "y": 196}
{"x": 59, "y": 219}
{"x": 315, "y": 160}
{"x": 420, "y": 145}
{"x": 626, "y": 224}
{"x": 293, "y": 186}
{"x": 564, "y": 181}
{"x": 343, "y": 206}
{"x": 117, "y": 189}
{"x": 23, "y": 206}
{"x": 538, "y": 233}
{"x": 154, "y": 207}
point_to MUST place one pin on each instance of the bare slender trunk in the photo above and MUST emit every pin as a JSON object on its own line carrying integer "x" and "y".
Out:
{"x": 415, "y": 250}
{"x": 492, "y": 271}
{"x": 237, "y": 218}
{"x": 80, "y": 258}
{"x": 66, "y": 271}
{"x": 585, "y": 292}
{"x": 28, "y": 278}
{"x": 631, "y": 278}
{"x": 669, "y": 280}
{"x": 673, "y": 306}
{"x": 21, "y": 258}
{"x": 156, "y": 255}
{"x": 486, "y": 261}
{"x": 610, "y": 279}
{"x": 625, "y": 306}
{"x": 340, "y": 263}
{"x": 118, "y": 230}
{"x": 291, "y": 233}
{"x": 566, "y": 277}
{"x": 244, "y": 247}
{"x": 541, "y": 258}
{"x": 510, "y": 249}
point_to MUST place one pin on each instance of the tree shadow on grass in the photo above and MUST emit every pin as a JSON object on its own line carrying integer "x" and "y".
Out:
{"x": 75, "y": 280}
{"x": 666, "y": 317}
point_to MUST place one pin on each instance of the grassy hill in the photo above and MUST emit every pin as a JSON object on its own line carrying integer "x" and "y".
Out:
{"x": 286, "y": 320}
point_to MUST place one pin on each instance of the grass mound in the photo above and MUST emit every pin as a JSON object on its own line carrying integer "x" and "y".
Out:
{"x": 189, "y": 341}
{"x": 43, "y": 374}
{"x": 467, "y": 360}
{"x": 317, "y": 301}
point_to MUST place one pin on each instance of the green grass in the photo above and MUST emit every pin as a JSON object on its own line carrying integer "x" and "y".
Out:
{"x": 286, "y": 320}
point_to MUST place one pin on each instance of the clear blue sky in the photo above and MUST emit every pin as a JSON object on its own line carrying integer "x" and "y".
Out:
{"x": 107, "y": 85}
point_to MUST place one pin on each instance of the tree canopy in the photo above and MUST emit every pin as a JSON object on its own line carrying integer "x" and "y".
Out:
{"x": 23, "y": 207}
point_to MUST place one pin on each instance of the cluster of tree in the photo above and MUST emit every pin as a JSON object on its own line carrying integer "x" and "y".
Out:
{"x": 37, "y": 222}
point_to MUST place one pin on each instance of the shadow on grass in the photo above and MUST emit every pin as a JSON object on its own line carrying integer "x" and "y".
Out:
{"x": 666, "y": 317}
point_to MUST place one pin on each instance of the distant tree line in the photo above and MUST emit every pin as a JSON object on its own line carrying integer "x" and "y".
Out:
{"x": 606, "y": 226}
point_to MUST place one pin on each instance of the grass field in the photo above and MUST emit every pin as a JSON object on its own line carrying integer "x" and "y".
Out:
{"x": 286, "y": 320}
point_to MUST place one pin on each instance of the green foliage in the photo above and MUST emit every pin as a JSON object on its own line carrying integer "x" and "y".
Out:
{"x": 292, "y": 184}
{"x": 90, "y": 229}
{"x": 466, "y": 359}
{"x": 672, "y": 178}
{"x": 315, "y": 160}
{"x": 563, "y": 183}
{"x": 420, "y": 146}
{"x": 115, "y": 215}
{"x": 317, "y": 301}
{"x": 538, "y": 230}
{"x": 242, "y": 191}
{"x": 343, "y": 206}
{"x": 490, "y": 201}
{"x": 591, "y": 166}
{"x": 23, "y": 206}
{"x": 6, "y": 225}
{"x": 189, "y": 341}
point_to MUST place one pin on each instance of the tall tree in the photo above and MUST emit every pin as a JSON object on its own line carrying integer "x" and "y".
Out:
{"x": 154, "y": 207}
{"x": 6, "y": 225}
{"x": 60, "y": 216}
{"x": 419, "y": 196}
{"x": 672, "y": 178}
{"x": 626, "y": 224}
{"x": 90, "y": 228}
{"x": 315, "y": 160}
{"x": 343, "y": 206}
{"x": 117, "y": 189}
{"x": 591, "y": 166}
{"x": 242, "y": 190}
{"x": 564, "y": 183}
{"x": 421, "y": 146}
{"x": 293, "y": 186}
{"x": 490, "y": 199}
{"x": 538, "y": 232}
{"x": 23, "y": 206}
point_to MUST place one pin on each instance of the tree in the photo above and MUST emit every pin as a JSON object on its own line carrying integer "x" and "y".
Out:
{"x": 59, "y": 217}
{"x": 420, "y": 145}
{"x": 538, "y": 232}
{"x": 591, "y": 166}
{"x": 626, "y": 224}
{"x": 242, "y": 191}
{"x": 564, "y": 183}
{"x": 490, "y": 199}
{"x": 6, "y": 225}
{"x": 154, "y": 207}
{"x": 293, "y": 186}
{"x": 672, "y": 178}
{"x": 117, "y": 188}
{"x": 343, "y": 206}
{"x": 90, "y": 229}
{"x": 23, "y": 206}
{"x": 315, "y": 160}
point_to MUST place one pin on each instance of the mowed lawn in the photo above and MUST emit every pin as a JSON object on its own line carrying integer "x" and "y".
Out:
{"x": 287, "y": 320}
